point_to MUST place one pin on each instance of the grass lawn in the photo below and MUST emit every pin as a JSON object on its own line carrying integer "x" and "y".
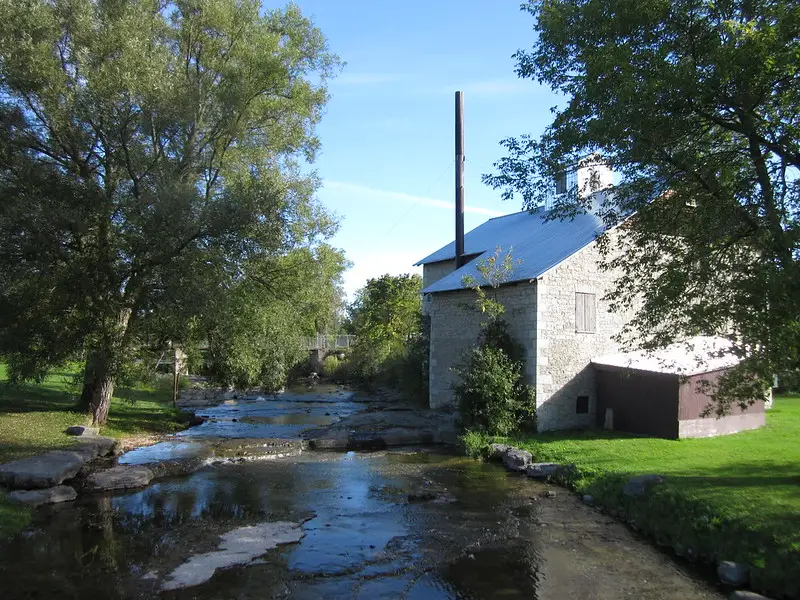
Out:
{"x": 33, "y": 418}
{"x": 734, "y": 497}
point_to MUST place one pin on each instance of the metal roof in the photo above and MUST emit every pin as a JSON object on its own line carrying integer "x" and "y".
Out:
{"x": 535, "y": 244}
{"x": 701, "y": 354}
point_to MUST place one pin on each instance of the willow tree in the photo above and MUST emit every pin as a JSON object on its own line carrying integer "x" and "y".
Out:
{"x": 151, "y": 157}
{"x": 696, "y": 104}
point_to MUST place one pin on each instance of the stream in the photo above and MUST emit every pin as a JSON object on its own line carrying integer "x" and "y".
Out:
{"x": 408, "y": 523}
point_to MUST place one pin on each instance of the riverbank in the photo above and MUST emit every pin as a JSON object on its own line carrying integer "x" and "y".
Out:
{"x": 34, "y": 417}
{"x": 733, "y": 498}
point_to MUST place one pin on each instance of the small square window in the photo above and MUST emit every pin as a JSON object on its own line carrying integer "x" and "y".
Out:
{"x": 582, "y": 405}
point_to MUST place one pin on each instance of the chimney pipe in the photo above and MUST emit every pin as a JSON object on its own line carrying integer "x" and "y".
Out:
{"x": 459, "y": 179}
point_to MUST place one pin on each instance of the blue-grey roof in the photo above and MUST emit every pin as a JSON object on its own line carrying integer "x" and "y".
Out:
{"x": 539, "y": 245}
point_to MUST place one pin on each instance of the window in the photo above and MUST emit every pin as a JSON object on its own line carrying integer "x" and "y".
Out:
{"x": 585, "y": 321}
{"x": 561, "y": 183}
{"x": 582, "y": 405}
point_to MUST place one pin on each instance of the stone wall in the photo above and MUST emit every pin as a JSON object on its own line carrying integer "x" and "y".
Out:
{"x": 431, "y": 273}
{"x": 455, "y": 327}
{"x": 563, "y": 355}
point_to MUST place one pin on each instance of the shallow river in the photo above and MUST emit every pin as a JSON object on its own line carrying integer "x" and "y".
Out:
{"x": 403, "y": 524}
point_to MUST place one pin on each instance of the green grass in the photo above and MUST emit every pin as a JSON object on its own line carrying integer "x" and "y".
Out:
{"x": 734, "y": 497}
{"x": 33, "y": 418}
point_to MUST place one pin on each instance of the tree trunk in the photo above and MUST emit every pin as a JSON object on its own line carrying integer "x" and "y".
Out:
{"x": 101, "y": 398}
{"x": 102, "y": 366}
{"x": 89, "y": 384}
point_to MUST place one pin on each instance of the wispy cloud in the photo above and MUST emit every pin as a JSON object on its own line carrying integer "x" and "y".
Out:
{"x": 369, "y": 78}
{"x": 390, "y": 196}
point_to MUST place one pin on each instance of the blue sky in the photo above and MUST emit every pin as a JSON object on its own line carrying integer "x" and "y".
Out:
{"x": 387, "y": 138}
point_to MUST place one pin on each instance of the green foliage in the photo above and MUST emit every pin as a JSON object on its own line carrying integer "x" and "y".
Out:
{"x": 13, "y": 517}
{"x": 696, "y": 105}
{"x": 258, "y": 334}
{"x": 33, "y": 418}
{"x": 330, "y": 366}
{"x": 150, "y": 167}
{"x": 492, "y": 398}
{"x": 494, "y": 270}
{"x": 731, "y": 497}
{"x": 476, "y": 444}
{"x": 391, "y": 336}
{"x": 491, "y": 391}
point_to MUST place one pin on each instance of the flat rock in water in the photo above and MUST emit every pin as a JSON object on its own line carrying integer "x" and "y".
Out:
{"x": 746, "y": 595}
{"x": 542, "y": 470}
{"x": 121, "y": 477}
{"x": 638, "y": 485}
{"x": 59, "y": 493}
{"x": 257, "y": 448}
{"x": 337, "y": 440}
{"x": 177, "y": 466}
{"x": 42, "y": 471}
{"x": 239, "y": 547}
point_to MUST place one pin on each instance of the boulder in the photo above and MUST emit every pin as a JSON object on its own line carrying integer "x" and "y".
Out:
{"x": 746, "y": 595}
{"x": 59, "y": 493}
{"x": 95, "y": 446}
{"x": 542, "y": 470}
{"x": 196, "y": 420}
{"x": 42, "y": 471}
{"x": 121, "y": 477}
{"x": 640, "y": 484}
{"x": 515, "y": 459}
{"x": 498, "y": 450}
{"x": 733, "y": 573}
{"x": 81, "y": 430}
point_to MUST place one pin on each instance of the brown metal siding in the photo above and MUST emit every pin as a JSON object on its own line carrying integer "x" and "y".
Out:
{"x": 643, "y": 402}
{"x": 694, "y": 402}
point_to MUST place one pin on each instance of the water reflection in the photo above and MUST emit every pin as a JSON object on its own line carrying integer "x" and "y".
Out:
{"x": 363, "y": 538}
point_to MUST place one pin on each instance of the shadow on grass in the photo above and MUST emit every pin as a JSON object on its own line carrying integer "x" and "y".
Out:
{"x": 11, "y": 450}
{"x": 31, "y": 398}
{"x": 129, "y": 420}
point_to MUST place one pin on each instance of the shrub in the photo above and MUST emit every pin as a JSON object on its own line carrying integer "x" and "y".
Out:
{"x": 330, "y": 365}
{"x": 492, "y": 397}
{"x": 476, "y": 444}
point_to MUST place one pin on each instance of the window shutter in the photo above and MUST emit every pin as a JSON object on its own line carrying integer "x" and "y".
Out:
{"x": 580, "y": 312}
{"x": 585, "y": 313}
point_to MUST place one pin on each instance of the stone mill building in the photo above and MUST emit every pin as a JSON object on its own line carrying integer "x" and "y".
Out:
{"x": 555, "y": 307}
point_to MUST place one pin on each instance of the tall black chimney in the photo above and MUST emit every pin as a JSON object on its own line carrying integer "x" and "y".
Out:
{"x": 459, "y": 179}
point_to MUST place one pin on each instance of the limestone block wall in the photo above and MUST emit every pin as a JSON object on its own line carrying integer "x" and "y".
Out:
{"x": 431, "y": 273}
{"x": 455, "y": 327}
{"x": 563, "y": 355}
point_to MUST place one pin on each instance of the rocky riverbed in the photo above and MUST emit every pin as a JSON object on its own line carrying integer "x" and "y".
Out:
{"x": 405, "y": 522}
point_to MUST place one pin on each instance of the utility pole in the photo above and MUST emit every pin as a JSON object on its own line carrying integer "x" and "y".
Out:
{"x": 459, "y": 179}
